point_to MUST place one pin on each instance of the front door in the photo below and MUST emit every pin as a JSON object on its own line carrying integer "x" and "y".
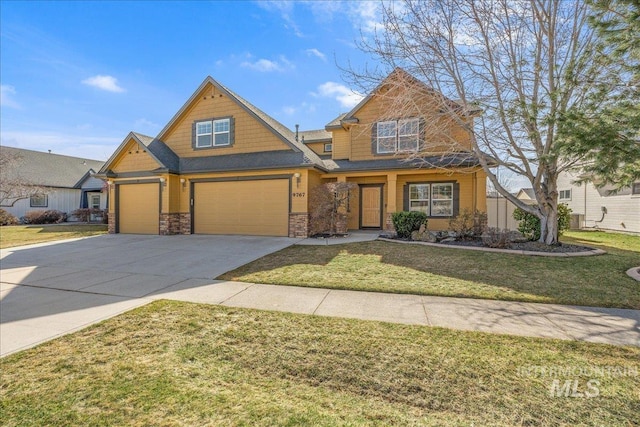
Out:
{"x": 94, "y": 203}
{"x": 371, "y": 206}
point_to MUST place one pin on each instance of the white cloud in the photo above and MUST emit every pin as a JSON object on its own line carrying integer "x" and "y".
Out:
{"x": 315, "y": 52}
{"x": 289, "y": 110}
{"x": 266, "y": 65}
{"x": 285, "y": 9}
{"x": 365, "y": 15}
{"x": 345, "y": 96}
{"x": 108, "y": 83}
{"x": 304, "y": 107}
{"x": 6, "y": 97}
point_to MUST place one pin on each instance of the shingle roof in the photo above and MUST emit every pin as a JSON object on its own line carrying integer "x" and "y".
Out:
{"x": 245, "y": 161}
{"x": 335, "y": 122}
{"x": 449, "y": 160}
{"x": 318, "y": 135}
{"x": 161, "y": 151}
{"x": 51, "y": 170}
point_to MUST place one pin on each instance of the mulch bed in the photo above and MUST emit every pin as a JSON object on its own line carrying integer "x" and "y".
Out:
{"x": 526, "y": 246}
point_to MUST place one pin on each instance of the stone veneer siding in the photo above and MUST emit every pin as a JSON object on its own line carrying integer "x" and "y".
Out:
{"x": 388, "y": 224}
{"x": 298, "y": 225}
{"x": 111, "y": 222}
{"x": 175, "y": 223}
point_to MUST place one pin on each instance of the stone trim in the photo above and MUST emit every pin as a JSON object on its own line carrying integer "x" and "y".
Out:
{"x": 388, "y": 224}
{"x": 175, "y": 223}
{"x": 298, "y": 225}
{"x": 111, "y": 222}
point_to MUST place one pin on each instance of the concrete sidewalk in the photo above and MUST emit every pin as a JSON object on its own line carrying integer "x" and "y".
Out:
{"x": 601, "y": 325}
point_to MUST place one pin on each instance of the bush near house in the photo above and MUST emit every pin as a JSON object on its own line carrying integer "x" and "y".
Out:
{"x": 7, "y": 219}
{"x": 44, "y": 217}
{"x": 407, "y": 222}
{"x": 84, "y": 214}
{"x": 469, "y": 223}
{"x": 530, "y": 224}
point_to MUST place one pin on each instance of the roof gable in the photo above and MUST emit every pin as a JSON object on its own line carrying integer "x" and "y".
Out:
{"x": 137, "y": 144}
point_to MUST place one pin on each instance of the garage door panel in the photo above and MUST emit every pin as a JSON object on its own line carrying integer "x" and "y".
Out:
{"x": 257, "y": 207}
{"x": 139, "y": 208}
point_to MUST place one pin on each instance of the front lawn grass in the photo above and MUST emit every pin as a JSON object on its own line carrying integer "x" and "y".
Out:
{"x": 174, "y": 363}
{"x": 18, "y": 235}
{"x": 400, "y": 268}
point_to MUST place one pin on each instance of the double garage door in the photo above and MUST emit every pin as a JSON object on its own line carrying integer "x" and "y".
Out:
{"x": 252, "y": 207}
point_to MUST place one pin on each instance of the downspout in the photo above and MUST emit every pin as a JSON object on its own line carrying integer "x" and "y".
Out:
{"x": 297, "y": 127}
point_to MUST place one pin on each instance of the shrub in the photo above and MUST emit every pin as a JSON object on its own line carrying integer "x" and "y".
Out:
{"x": 468, "y": 223}
{"x": 407, "y": 222}
{"x": 329, "y": 208}
{"x": 496, "y": 238}
{"x": 84, "y": 214}
{"x": 7, "y": 219}
{"x": 530, "y": 224}
{"x": 44, "y": 217}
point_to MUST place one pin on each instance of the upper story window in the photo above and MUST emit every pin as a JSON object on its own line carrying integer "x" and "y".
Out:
{"x": 212, "y": 133}
{"x": 565, "y": 194}
{"x": 397, "y": 136}
{"x": 39, "y": 201}
{"x": 328, "y": 147}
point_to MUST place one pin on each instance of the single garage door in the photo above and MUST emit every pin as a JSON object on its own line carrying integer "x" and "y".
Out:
{"x": 257, "y": 207}
{"x": 138, "y": 208}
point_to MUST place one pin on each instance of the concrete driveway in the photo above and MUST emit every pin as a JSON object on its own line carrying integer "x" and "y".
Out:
{"x": 51, "y": 289}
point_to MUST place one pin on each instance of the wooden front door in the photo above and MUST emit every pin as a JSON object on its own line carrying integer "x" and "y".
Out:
{"x": 371, "y": 206}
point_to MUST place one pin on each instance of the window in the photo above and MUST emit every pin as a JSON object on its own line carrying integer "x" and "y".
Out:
{"x": 213, "y": 133}
{"x": 565, "y": 194}
{"x": 635, "y": 188}
{"x": 39, "y": 201}
{"x": 432, "y": 199}
{"x": 95, "y": 201}
{"x": 398, "y": 136}
{"x": 328, "y": 147}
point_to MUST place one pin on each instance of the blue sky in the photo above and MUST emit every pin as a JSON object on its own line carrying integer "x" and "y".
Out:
{"x": 76, "y": 77}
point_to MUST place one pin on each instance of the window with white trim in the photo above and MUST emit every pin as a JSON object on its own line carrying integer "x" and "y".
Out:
{"x": 565, "y": 195}
{"x": 328, "y": 147}
{"x": 398, "y": 136}
{"x": 432, "y": 199}
{"x": 39, "y": 201}
{"x": 213, "y": 133}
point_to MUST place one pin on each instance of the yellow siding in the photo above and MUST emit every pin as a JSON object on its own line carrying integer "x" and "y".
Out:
{"x": 455, "y": 137}
{"x": 341, "y": 144}
{"x": 250, "y": 134}
{"x": 134, "y": 158}
{"x": 318, "y": 148}
{"x": 354, "y": 204}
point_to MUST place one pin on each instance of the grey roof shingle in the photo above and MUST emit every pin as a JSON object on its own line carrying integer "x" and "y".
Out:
{"x": 161, "y": 151}
{"x": 245, "y": 161}
{"x": 51, "y": 170}
{"x": 449, "y": 160}
{"x": 318, "y": 135}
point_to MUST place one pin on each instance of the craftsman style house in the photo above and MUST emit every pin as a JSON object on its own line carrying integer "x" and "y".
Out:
{"x": 222, "y": 166}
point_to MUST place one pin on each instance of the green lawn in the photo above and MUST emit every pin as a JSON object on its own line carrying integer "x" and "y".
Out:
{"x": 18, "y": 235}
{"x": 400, "y": 268}
{"x": 173, "y": 363}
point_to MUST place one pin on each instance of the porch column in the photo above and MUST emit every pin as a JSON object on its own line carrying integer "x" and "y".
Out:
{"x": 392, "y": 179}
{"x": 342, "y": 178}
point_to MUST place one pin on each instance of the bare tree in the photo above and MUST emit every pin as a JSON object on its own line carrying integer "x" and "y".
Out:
{"x": 516, "y": 70}
{"x": 14, "y": 186}
{"x": 329, "y": 207}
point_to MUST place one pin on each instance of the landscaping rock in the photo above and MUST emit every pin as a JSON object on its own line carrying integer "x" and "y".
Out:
{"x": 517, "y": 237}
{"x": 448, "y": 239}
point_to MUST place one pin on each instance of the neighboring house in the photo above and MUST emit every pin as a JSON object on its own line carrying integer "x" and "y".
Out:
{"x": 66, "y": 181}
{"x": 600, "y": 207}
{"x": 222, "y": 166}
{"x": 500, "y": 209}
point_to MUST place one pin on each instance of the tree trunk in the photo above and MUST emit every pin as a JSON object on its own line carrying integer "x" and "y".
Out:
{"x": 549, "y": 227}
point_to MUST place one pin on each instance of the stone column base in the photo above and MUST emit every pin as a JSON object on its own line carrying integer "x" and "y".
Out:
{"x": 111, "y": 222}
{"x": 388, "y": 225}
{"x": 175, "y": 223}
{"x": 298, "y": 225}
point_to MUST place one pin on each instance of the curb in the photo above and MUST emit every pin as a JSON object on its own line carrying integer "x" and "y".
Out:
{"x": 591, "y": 252}
{"x": 634, "y": 273}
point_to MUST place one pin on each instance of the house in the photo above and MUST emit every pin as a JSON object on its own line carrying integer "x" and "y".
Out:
{"x": 600, "y": 208}
{"x": 67, "y": 183}
{"x": 222, "y": 166}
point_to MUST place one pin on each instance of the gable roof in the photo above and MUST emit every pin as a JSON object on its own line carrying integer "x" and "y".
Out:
{"x": 158, "y": 150}
{"x": 397, "y": 73}
{"x": 317, "y": 135}
{"x": 278, "y": 129}
{"x": 51, "y": 170}
{"x": 527, "y": 192}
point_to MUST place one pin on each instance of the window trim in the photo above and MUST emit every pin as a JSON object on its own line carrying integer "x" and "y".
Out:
{"x": 213, "y": 133}
{"x": 396, "y": 146}
{"x": 433, "y": 199}
{"x": 565, "y": 192}
{"x": 330, "y": 144}
{"x": 455, "y": 187}
{"x": 428, "y": 200}
{"x": 45, "y": 204}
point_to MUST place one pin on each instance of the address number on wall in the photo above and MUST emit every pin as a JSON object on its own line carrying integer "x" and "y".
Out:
{"x": 299, "y": 194}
